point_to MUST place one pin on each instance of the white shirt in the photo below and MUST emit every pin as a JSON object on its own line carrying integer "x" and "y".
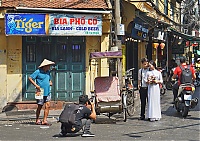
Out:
{"x": 144, "y": 73}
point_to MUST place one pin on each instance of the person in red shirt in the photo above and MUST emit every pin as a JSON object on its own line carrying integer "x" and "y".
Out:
{"x": 177, "y": 72}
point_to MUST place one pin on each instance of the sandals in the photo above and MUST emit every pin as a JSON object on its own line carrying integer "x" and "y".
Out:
{"x": 39, "y": 122}
{"x": 46, "y": 123}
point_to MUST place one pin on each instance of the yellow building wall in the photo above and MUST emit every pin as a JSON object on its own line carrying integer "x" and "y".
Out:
{"x": 97, "y": 67}
{"x": 10, "y": 67}
{"x": 128, "y": 14}
{"x": 92, "y": 45}
{"x": 141, "y": 52}
{"x": 14, "y": 68}
{"x": 3, "y": 66}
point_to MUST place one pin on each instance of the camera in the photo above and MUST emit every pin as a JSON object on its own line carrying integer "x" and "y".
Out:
{"x": 90, "y": 100}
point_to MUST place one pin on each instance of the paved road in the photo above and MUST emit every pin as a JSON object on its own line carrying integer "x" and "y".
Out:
{"x": 171, "y": 127}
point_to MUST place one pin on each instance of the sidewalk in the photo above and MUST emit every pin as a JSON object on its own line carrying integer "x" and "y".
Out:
{"x": 53, "y": 114}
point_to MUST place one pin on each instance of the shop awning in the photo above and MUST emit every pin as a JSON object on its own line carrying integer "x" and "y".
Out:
{"x": 184, "y": 36}
{"x": 107, "y": 54}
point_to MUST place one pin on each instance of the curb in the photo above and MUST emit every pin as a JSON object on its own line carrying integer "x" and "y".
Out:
{"x": 29, "y": 114}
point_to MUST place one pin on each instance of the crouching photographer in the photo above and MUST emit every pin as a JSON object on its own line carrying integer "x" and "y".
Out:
{"x": 75, "y": 117}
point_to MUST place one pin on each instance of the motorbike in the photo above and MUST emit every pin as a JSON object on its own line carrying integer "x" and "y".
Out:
{"x": 162, "y": 89}
{"x": 170, "y": 81}
{"x": 197, "y": 81}
{"x": 162, "y": 85}
{"x": 184, "y": 100}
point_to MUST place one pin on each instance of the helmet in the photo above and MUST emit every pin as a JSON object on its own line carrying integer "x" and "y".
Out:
{"x": 182, "y": 59}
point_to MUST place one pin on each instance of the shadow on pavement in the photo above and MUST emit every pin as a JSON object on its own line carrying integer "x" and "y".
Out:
{"x": 68, "y": 135}
{"x": 158, "y": 130}
{"x": 173, "y": 113}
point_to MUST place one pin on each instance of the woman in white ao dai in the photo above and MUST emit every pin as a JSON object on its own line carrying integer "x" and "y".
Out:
{"x": 153, "y": 79}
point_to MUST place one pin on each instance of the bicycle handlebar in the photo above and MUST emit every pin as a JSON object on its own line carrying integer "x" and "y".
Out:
{"x": 130, "y": 69}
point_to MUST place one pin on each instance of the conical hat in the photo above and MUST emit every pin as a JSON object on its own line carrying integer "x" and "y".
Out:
{"x": 46, "y": 62}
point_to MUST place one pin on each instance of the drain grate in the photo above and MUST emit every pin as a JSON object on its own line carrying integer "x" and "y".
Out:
{"x": 32, "y": 121}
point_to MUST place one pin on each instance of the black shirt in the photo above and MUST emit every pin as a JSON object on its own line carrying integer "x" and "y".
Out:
{"x": 82, "y": 113}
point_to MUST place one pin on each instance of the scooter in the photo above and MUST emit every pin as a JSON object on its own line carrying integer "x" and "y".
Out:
{"x": 184, "y": 100}
{"x": 170, "y": 81}
{"x": 162, "y": 89}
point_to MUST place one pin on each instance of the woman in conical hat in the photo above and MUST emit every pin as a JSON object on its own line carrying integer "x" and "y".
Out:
{"x": 46, "y": 62}
{"x": 43, "y": 83}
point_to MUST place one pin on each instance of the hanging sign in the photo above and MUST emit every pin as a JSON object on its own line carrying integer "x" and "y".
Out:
{"x": 54, "y": 24}
{"x": 139, "y": 29}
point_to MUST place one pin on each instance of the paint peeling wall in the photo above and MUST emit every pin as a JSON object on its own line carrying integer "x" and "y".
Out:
{"x": 14, "y": 68}
{"x": 3, "y": 66}
{"x": 10, "y": 67}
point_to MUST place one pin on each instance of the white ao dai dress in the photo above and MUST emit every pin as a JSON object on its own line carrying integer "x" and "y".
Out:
{"x": 154, "y": 108}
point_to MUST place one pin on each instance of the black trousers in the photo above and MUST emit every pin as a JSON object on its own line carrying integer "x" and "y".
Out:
{"x": 175, "y": 90}
{"x": 143, "y": 98}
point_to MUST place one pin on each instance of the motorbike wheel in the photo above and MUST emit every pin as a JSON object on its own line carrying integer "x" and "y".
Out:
{"x": 185, "y": 111}
{"x": 176, "y": 104}
{"x": 162, "y": 91}
{"x": 130, "y": 103}
{"x": 169, "y": 85}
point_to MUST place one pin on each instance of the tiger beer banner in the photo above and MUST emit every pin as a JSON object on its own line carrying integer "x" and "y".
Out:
{"x": 53, "y": 24}
{"x": 25, "y": 24}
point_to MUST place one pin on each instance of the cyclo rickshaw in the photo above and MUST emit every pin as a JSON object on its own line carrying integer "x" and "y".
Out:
{"x": 107, "y": 95}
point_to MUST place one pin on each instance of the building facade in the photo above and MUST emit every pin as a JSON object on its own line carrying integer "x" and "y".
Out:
{"x": 64, "y": 32}
{"x": 147, "y": 34}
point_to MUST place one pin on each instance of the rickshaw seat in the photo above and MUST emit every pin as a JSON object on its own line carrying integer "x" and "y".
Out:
{"x": 107, "y": 89}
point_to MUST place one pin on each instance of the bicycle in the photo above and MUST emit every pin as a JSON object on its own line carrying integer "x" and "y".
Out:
{"x": 128, "y": 94}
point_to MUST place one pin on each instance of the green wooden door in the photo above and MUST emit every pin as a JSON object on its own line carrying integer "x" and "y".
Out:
{"x": 68, "y": 75}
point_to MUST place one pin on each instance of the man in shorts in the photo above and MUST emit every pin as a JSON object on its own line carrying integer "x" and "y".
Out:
{"x": 43, "y": 81}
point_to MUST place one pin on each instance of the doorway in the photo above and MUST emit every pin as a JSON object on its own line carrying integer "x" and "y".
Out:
{"x": 68, "y": 74}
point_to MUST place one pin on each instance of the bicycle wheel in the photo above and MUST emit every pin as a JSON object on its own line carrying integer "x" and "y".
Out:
{"x": 130, "y": 103}
{"x": 124, "y": 108}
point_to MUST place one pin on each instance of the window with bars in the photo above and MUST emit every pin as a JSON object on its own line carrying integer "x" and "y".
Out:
{"x": 30, "y": 53}
{"x": 62, "y": 52}
{"x": 76, "y": 53}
